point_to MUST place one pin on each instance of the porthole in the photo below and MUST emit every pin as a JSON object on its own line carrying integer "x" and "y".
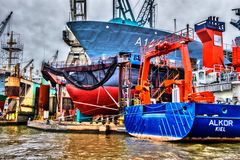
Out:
{"x": 224, "y": 110}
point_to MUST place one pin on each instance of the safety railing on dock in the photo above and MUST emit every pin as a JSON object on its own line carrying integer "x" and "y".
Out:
{"x": 221, "y": 68}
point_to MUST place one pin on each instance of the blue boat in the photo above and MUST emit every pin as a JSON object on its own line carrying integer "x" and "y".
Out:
{"x": 183, "y": 121}
{"x": 110, "y": 38}
{"x": 188, "y": 119}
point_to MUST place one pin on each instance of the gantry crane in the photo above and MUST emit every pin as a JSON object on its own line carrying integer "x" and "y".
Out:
{"x": 4, "y": 23}
{"x": 164, "y": 47}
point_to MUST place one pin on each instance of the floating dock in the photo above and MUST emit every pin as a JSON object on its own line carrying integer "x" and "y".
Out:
{"x": 11, "y": 123}
{"x": 74, "y": 127}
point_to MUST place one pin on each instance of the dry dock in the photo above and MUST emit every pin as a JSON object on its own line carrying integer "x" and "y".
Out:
{"x": 73, "y": 127}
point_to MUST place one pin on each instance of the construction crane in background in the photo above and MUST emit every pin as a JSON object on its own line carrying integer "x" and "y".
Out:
{"x": 29, "y": 64}
{"x": 78, "y": 10}
{"x": 147, "y": 13}
{"x": 4, "y": 23}
{"x": 122, "y": 8}
{"x": 55, "y": 56}
{"x": 236, "y": 23}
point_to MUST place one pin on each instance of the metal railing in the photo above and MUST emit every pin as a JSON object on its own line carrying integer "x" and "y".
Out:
{"x": 182, "y": 35}
{"x": 94, "y": 61}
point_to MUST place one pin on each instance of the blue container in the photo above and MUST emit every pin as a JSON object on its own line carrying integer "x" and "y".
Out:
{"x": 81, "y": 117}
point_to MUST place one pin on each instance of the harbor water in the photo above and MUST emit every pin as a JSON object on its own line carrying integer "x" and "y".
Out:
{"x": 20, "y": 142}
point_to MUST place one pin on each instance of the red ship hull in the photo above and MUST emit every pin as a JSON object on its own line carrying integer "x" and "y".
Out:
{"x": 95, "y": 102}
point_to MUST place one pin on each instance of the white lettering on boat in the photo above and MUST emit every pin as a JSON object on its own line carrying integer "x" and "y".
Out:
{"x": 139, "y": 42}
{"x": 220, "y": 124}
{"x": 145, "y": 42}
{"x": 220, "y": 129}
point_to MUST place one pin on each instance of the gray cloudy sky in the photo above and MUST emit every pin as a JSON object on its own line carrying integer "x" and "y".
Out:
{"x": 41, "y": 22}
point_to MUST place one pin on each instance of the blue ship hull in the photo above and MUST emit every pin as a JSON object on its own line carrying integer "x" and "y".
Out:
{"x": 182, "y": 121}
{"x": 107, "y": 38}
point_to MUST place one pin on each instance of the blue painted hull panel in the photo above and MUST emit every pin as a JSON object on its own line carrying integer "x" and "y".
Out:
{"x": 108, "y": 38}
{"x": 178, "y": 121}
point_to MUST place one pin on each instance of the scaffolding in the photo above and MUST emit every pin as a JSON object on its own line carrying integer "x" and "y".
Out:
{"x": 11, "y": 52}
{"x": 125, "y": 79}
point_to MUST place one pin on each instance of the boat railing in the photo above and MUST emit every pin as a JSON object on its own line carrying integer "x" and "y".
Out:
{"x": 163, "y": 61}
{"x": 221, "y": 68}
{"x": 186, "y": 34}
{"x": 94, "y": 61}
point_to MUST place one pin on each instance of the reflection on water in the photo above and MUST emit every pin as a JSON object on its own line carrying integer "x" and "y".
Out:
{"x": 24, "y": 143}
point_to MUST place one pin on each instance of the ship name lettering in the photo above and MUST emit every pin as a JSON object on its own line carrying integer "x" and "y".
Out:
{"x": 152, "y": 41}
{"x": 146, "y": 42}
{"x": 220, "y": 129}
{"x": 223, "y": 123}
{"x": 139, "y": 42}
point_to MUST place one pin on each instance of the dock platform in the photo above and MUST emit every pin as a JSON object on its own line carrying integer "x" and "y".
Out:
{"x": 75, "y": 127}
{"x": 11, "y": 123}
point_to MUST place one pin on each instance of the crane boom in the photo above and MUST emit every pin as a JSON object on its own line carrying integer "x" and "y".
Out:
{"x": 55, "y": 56}
{"x": 27, "y": 65}
{"x": 4, "y": 23}
{"x": 146, "y": 13}
{"x": 124, "y": 8}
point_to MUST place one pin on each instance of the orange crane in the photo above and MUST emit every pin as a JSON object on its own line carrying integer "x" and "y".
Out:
{"x": 163, "y": 48}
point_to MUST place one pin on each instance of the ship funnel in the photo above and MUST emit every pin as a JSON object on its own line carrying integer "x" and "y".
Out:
{"x": 210, "y": 33}
{"x": 236, "y": 57}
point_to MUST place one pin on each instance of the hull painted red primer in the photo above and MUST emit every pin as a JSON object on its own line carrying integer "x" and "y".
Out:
{"x": 96, "y": 101}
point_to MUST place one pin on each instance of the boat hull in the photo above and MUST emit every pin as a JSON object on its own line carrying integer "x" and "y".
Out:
{"x": 95, "y": 102}
{"x": 107, "y": 38}
{"x": 183, "y": 121}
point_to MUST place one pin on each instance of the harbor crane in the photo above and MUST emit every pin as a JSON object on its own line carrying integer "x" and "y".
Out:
{"x": 146, "y": 14}
{"x": 55, "y": 56}
{"x": 123, "y": 8}
{"x": 78, "y": 10}
{"x": 29, "y": 64}
{"x": 4, "y": 23}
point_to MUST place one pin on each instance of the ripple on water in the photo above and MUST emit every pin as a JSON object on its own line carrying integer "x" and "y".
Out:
{"x": 24, "y": 143}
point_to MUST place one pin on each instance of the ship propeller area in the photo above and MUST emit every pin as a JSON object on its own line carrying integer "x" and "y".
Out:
{"x": 88, "y": 77}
